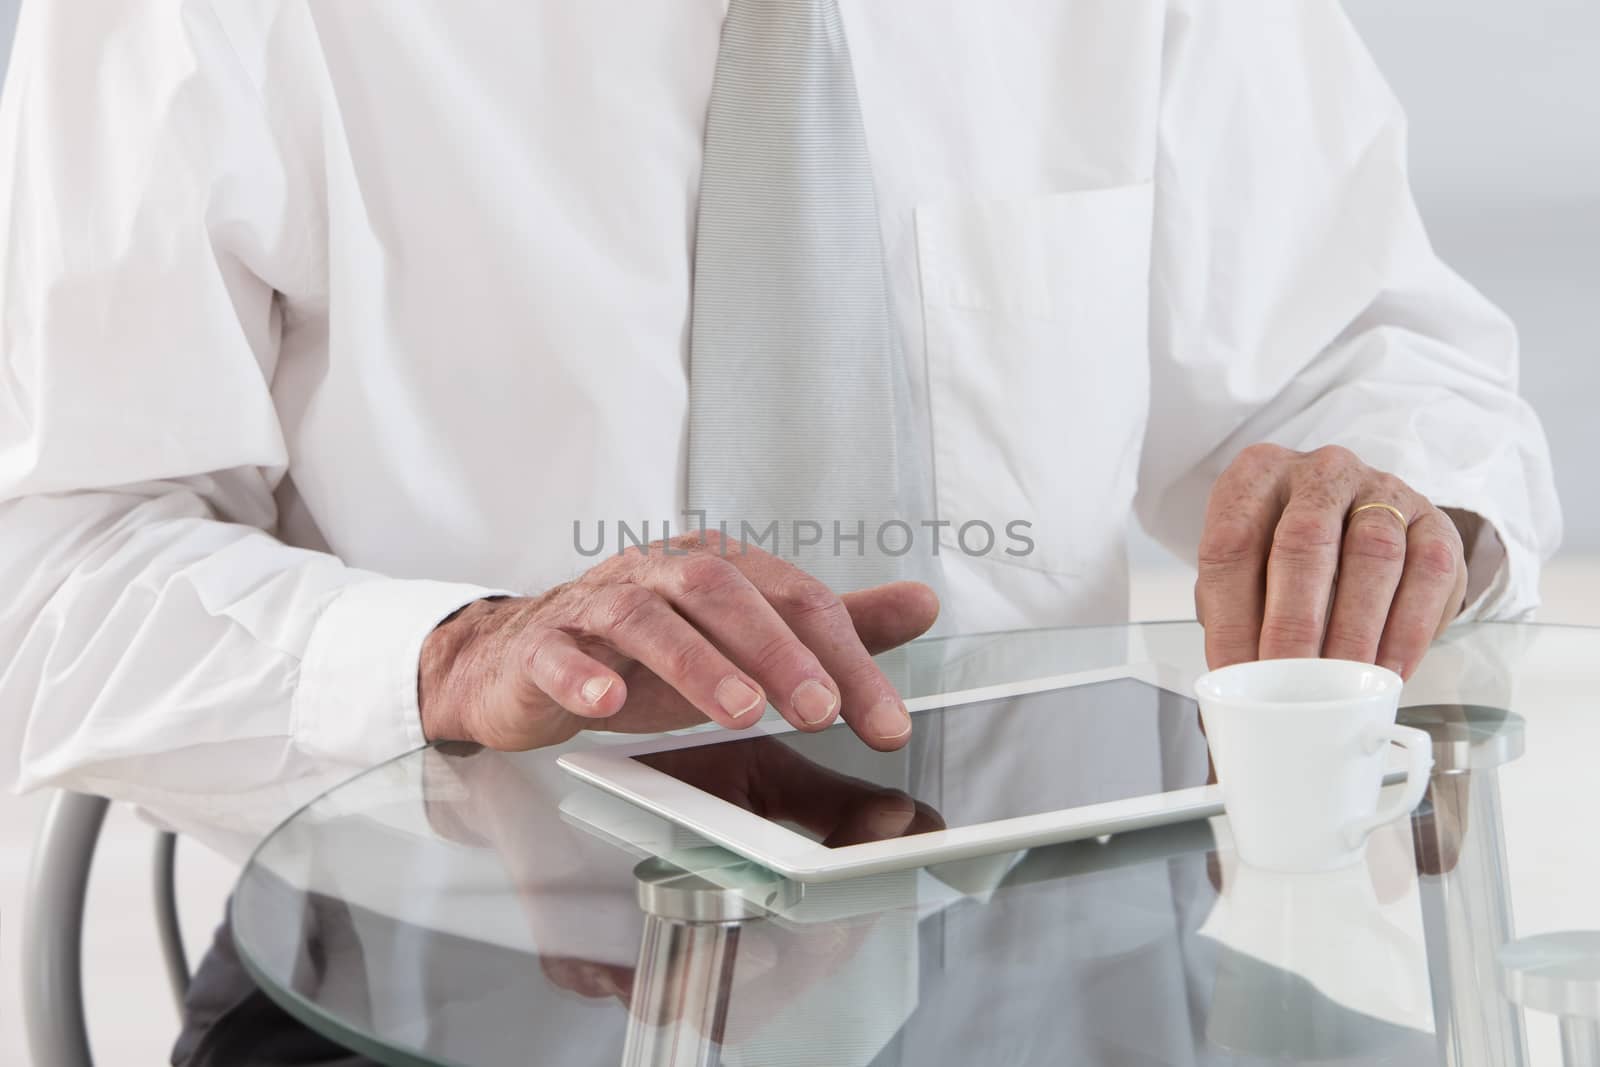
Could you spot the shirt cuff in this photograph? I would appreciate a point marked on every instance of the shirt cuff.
(356, 698)
(1486, 570)
(1502, 573)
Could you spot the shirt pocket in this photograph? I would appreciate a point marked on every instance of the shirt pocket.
(1036, 319)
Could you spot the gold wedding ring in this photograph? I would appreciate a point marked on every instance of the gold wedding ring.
(1390, 508)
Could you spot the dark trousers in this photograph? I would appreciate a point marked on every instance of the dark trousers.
(229, 1022)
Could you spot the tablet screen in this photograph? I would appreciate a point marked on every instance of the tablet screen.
(965, 764)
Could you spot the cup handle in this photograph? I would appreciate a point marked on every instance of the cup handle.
(1419, 748)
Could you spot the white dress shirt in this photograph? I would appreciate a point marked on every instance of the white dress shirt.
(321, 320)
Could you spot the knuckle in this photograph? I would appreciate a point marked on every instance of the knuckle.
(1304, 533)
(690, 659)
(1239, 637)
(623, 606)
(536, 676)
(631, 558)
(860, 674)
(1228, 542)
(778, 654)
(1351, 636)
(1292, 631)
(1435, 559)
(1331, 460)
(1262, 455)
(709, 540)
(704, 575)
(552, 673)
(1434, 519)
(541, 654)
(804, 596)
(1379, 540)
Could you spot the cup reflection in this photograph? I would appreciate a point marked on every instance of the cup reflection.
(1314, 968)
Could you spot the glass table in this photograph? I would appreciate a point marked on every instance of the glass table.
(465, 907)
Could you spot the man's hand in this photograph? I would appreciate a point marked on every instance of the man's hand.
(1279, 531)
(657, 639)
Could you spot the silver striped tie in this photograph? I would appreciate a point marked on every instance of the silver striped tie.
(794, 361)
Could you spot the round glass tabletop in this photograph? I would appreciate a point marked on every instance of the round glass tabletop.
(465, 907)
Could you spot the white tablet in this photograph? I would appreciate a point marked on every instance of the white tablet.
(928, 889)
(986, 771)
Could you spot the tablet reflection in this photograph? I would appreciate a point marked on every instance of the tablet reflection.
(768, 778)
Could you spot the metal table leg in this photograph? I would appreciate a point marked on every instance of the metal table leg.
(1559, 973)
(1580, 1042)
(687, 960)
(1467, 920)
(1466, 908)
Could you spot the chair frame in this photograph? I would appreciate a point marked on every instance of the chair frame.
(52, 934)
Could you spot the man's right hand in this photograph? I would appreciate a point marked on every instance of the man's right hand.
(654, 639)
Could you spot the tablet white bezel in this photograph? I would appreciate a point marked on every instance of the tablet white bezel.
(614, 770)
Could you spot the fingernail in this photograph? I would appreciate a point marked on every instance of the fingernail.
(814, 703)
(596, 688)
(1398, 668)
(888, 721)
(737, 697)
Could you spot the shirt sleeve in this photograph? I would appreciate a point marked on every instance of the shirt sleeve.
(157, 643)
(1296, 298)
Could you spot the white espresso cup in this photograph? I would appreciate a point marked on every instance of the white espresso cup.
(1299, 747)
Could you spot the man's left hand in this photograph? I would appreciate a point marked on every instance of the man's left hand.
(1293, 564)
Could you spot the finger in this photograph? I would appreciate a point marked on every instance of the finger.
(1372, 557)
(883, 817)
(589, 978)
(887, 815)
(1230, 585)
(786, 786)
(1431, 585)
(870, 703)
(566, 674)
(714, 595)
(765, 776)
(642, 626)
(1300, 571)
(888, 616)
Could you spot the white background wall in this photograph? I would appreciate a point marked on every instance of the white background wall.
(1505, 106)
(1504, 99)
(1504, 102)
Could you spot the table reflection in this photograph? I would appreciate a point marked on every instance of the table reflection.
(1155, 946)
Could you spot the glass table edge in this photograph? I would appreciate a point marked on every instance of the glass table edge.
(327, 1025)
